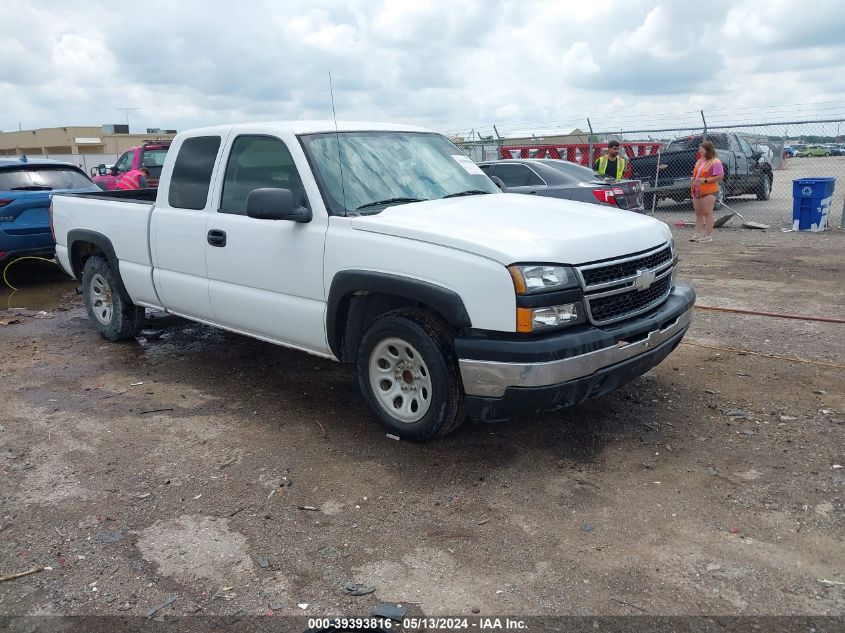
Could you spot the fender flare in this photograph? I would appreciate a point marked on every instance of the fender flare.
(348, 282)
(92, 237)
(102, 242)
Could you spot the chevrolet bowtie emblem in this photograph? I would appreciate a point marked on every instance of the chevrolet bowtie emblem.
(644, 279)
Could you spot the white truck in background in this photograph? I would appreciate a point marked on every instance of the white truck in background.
(384, 246)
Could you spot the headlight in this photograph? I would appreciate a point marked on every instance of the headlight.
(547, 318)
(534, 278)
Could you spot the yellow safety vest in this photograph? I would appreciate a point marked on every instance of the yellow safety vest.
(620, 166)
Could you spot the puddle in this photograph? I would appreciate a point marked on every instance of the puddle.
(40, 286)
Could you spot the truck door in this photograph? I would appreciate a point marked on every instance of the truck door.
(752, 167)
(123, 164)
(178, 236)
(266, 276)
(740, 170)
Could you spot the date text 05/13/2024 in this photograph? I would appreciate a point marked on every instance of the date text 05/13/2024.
(426, 623)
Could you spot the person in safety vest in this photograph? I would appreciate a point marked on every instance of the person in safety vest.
(134, 179)
(611, 164)
(704, 187)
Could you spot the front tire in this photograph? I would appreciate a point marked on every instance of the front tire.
(720, 196)
(409, 376)
(764, 189)
(109, 308)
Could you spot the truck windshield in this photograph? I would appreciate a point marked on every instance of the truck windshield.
(371, 170)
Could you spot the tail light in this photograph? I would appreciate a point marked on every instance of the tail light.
(4, 202)
(52, 230)
(605, 196)
(608, 196)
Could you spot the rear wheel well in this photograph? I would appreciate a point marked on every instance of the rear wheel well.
(80, 251)
(357, 310)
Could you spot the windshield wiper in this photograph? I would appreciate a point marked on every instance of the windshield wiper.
(378, 203)
(32, 188)
(468, 192)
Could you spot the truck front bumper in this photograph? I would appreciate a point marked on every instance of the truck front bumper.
(506, 376)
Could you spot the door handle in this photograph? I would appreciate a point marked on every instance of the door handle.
(216, 237)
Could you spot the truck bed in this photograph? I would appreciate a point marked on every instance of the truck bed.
(121, 195)
(120, 217)
(680, 165)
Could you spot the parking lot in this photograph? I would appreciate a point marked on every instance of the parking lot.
(244, 478)
(777, 211)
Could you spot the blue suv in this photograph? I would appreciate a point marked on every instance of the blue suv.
(25, 189)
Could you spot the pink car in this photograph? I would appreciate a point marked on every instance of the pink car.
(150, 155)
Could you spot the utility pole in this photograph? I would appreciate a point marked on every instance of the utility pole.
(590, 126)
(704, 136)
(126, 111)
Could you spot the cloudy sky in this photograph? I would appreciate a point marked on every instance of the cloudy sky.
(452, 65)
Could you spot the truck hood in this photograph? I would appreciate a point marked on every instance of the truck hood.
(511, 228)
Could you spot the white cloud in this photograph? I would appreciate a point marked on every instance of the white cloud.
(445, 64)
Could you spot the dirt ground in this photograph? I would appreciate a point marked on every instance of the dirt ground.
(239, 477)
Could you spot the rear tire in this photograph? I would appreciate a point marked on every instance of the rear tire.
(109, 308)
(409, 376)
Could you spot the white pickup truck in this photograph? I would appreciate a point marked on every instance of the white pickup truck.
(384, 246)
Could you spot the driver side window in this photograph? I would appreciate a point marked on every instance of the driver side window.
(124, 163)
(257, 162)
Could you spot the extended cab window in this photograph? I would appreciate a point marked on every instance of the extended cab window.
(192, 172)
(256, 162)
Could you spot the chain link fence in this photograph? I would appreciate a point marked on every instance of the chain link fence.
(761, 162)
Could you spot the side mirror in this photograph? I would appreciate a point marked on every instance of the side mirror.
(498, 182)
(756, 155)
(113, 171)
(101, 169)
(275, 204)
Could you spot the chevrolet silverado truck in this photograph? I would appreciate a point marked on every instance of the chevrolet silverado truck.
(150, 154)
(385, 247)
(667, 174)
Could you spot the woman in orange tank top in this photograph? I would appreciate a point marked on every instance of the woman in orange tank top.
(704, 186)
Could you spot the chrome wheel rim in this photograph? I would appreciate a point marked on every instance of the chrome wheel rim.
(767, 186)
(400, 380)
(100, 299)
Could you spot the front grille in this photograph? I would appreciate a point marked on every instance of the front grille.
(601, 274)
(616, 307)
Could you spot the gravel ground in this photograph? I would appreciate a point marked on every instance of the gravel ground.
(240, 477)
